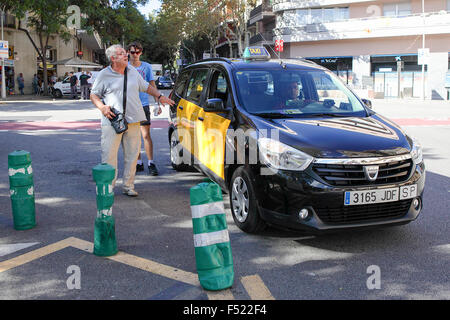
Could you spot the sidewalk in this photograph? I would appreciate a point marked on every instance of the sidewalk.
(62, 109)
(26, 97)
(412, 108)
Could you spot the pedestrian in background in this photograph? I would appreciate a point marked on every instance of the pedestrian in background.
(84, 84)
(90, 81)
(73, 85)
(107, 92)
(145, 70)
(21, 83)
(34, 83)
(53, 79)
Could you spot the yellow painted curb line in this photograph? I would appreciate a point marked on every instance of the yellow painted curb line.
(122, 257)
(256, 288)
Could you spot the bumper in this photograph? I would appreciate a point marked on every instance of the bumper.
(281, 196)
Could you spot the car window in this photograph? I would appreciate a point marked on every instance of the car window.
(181, 83)
(256, 88)
(295, 92)
(196, 85)
(219, 87)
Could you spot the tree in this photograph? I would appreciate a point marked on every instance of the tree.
(188, 23)
(46, 17)
(116, 21)
(236, 15)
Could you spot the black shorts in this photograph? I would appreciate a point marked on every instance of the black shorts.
(147, 115)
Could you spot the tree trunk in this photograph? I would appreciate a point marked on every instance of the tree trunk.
(44, 62)
(190, 51)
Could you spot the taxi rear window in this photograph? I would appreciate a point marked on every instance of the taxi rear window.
(196, 85)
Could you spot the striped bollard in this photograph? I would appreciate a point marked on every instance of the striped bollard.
(211, 240)
(105, 227)
(21, 189)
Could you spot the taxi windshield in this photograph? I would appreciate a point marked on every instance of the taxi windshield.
(296, 92)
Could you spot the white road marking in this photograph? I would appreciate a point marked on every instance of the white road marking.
(10, 248)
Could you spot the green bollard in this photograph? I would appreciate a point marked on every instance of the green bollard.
(21, 189)
(104, 230)
(211, 240)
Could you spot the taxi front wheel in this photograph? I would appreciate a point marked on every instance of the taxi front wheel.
(243, 202)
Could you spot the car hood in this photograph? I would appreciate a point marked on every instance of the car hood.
(346, 137)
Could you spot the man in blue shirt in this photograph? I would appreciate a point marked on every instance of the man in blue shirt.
(145, 69)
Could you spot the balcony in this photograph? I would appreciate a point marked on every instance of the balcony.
(91, 40)
(281, 5)
(261, 12)
(265, 38)
(373, 27)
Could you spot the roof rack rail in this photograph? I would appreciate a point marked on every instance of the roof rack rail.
(215, 59)
(302, 59)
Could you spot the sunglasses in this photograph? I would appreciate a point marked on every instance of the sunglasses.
(135, 52)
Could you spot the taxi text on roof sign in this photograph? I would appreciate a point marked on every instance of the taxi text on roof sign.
(256, 53)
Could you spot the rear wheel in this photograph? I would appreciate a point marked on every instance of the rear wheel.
(57, 93)
(176, 153)
(243, 202)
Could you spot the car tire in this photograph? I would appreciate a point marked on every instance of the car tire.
(243, 202)
(57, 93)
(176, 153)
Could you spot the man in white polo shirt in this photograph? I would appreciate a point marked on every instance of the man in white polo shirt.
(107, 92)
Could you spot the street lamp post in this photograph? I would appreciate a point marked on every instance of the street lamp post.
(423, 47)
(3, 63)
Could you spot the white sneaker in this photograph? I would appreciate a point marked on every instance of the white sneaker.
(130, 192)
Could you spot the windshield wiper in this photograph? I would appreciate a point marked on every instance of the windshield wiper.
(334, 115)
(273, 115)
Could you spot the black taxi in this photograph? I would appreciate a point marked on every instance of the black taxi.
(293, 145)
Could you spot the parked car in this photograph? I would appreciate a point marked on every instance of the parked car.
(293, 146)
(164, 83)
(62, 88)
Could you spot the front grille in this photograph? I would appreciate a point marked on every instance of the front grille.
(364, 213)
(353, 175)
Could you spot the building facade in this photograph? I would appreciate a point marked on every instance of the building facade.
(24, 59)
(261, 24)
(370, 43)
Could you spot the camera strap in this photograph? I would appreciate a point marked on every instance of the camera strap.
(124, 103)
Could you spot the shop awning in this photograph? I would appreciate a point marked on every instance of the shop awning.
(77, 63)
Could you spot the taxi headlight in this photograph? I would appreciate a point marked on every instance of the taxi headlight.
(277, 155)
(416, 152)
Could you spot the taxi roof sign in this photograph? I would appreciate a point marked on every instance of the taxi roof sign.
(256, 53)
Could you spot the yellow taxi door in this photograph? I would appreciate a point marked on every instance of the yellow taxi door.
(188, 109)
(211, 128)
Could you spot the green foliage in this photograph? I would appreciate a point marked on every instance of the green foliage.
(48, 17)
(115, 21)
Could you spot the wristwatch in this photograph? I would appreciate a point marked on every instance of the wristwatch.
(160, 96)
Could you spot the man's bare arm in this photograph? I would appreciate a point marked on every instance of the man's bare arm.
(104, 109)
(158, 96)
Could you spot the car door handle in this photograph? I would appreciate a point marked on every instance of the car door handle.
(181, 108)
(200, 118)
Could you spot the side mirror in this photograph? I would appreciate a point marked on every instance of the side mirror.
(368, 103)
(214, 105)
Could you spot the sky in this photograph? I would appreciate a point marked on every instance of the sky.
(149, 7)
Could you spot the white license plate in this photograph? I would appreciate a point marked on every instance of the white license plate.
(380, 195)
